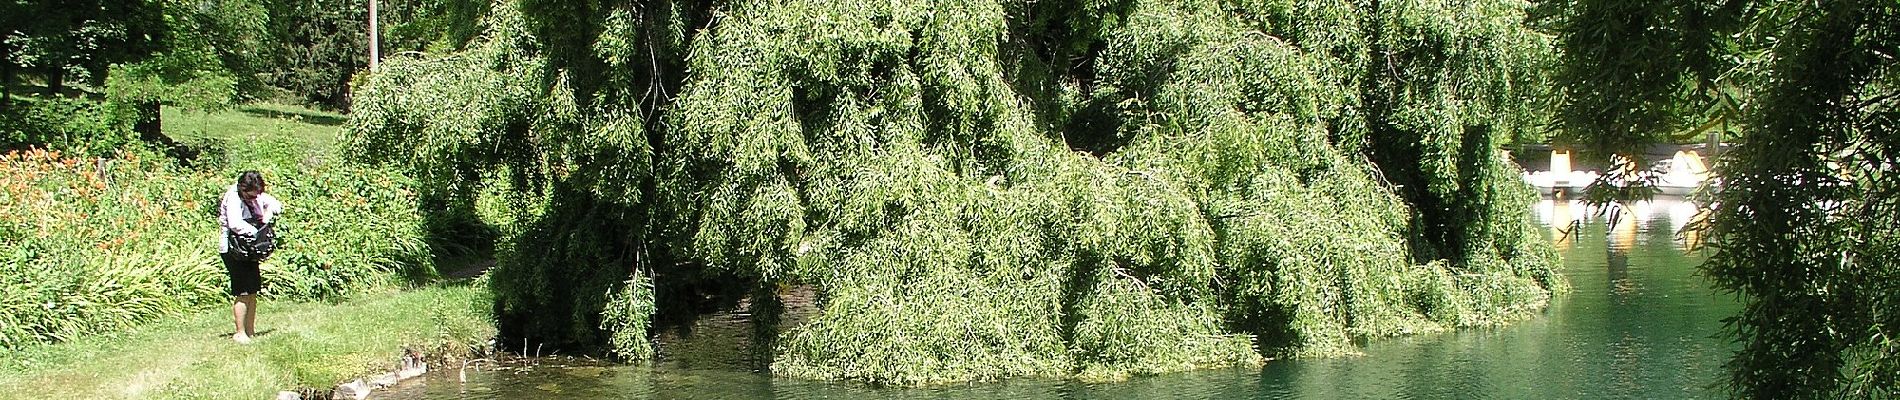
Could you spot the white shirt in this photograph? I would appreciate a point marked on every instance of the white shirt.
(232, 211)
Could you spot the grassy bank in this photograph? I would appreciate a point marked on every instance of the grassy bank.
(308, 344)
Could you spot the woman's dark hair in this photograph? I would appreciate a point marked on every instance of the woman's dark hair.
(250, 181)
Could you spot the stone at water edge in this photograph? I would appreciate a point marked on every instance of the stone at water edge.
(412, 366)
(357, 390)
(412, 372)
(384, 380)
(288, 395)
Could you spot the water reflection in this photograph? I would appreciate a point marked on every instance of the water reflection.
(1664, 214)
(1639, 323)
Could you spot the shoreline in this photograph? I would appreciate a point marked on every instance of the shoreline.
(301, 345)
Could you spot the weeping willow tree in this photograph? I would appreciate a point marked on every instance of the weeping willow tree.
(1804, 210)
(986, 189)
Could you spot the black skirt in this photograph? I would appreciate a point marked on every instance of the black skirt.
(245, 279)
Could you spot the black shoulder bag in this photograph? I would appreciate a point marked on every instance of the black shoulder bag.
(255, 247)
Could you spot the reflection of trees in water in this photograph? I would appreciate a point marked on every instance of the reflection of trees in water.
(1626, 309)
(1564, 218)
(1616, 257)
(1622, 236)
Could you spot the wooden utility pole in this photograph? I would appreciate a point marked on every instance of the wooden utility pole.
(375, 53)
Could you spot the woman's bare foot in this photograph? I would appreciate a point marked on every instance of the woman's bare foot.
(242, 338)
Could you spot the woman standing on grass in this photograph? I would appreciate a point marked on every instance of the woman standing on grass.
(243, 210)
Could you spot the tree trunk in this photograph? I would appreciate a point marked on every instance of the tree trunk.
(148, 126)
(55, 79)
(6, 78)
(375, 51)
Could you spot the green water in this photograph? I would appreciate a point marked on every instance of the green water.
(1639, 323)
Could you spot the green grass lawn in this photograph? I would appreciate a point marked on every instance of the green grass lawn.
(316, 130)
(300, 345)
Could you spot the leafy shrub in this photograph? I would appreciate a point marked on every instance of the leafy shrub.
(72, 126)
(89, 257)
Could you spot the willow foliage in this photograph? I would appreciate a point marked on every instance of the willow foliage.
(1803, 213)
(453, 119)
(1804, 225)
(987, 189)
(512, 113)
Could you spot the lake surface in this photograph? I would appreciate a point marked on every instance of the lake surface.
(1639, 322)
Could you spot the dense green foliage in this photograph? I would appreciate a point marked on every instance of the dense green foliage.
(140, 55)
(194, 52)
(1636, 70)
(99, 244)
(987, 189)
(1803, 220)
(1806, 227)
(75, 127)
(75, 42)
(489, 114)
(316, 47)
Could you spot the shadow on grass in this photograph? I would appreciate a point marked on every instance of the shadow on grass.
(301, 116)
(259, 334)
(461, 244)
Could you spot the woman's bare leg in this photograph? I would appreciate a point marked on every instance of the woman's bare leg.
(244, 316)
(250, 315)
